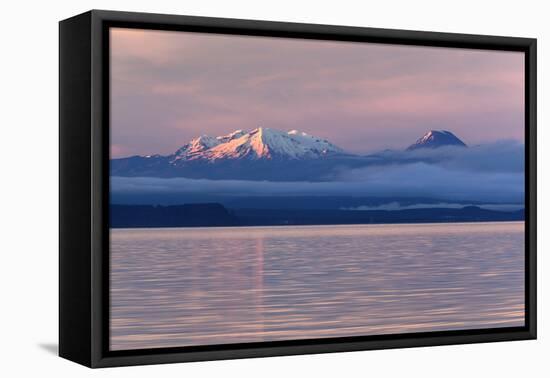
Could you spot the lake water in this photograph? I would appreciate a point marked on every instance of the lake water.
(197, 286)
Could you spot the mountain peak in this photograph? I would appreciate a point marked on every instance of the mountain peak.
(196, 146)
(435, 139)
(259, 143)
(234, 135)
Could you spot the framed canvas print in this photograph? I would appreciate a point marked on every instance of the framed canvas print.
(234, 188)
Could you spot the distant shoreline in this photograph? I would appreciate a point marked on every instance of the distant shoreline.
(216, 215)
(318, 225)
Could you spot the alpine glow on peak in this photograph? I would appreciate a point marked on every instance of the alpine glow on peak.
(260, 143)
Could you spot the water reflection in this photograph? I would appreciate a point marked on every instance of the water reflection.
(178, 287)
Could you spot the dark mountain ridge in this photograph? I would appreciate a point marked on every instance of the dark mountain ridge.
(216, 215)
(188, 215)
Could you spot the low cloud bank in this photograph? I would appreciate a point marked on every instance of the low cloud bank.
(406, 181)
(489, 173)
(501, 156)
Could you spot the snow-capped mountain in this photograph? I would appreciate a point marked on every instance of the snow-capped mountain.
(260, 143)
(435, 139)
(196, 147)
(269, 154)
(234, 135)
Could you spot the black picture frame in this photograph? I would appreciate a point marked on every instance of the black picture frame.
(84, 187)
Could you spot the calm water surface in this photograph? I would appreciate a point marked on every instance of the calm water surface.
(196, 286)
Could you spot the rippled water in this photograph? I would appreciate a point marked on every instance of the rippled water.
(197, 286)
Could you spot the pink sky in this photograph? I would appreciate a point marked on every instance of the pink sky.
(168, 87)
